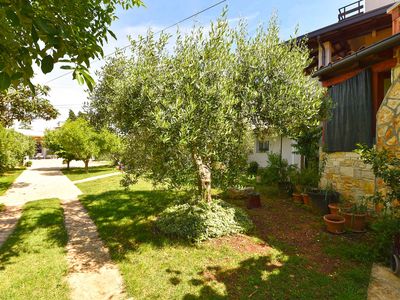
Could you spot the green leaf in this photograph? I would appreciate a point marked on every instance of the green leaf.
(5, 81)
(12, 16)
(47, 64)
(34, 34)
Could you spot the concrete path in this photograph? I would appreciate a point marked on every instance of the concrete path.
(96, 177)
(41, 181)
(384, 285)
(92, 275)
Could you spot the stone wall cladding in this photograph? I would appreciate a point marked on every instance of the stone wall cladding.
(388, 121)
(348, 175)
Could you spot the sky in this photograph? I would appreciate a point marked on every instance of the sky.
(307, 15)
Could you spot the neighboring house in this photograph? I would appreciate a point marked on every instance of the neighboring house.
(261, 149)
(358, 61)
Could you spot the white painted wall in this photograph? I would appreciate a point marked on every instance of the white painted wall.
(274, 146)
(374, 4)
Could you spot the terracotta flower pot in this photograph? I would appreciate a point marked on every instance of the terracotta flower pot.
(334, 208)
(306, 199)
(334, 223)
(355, 222)
(297, 198)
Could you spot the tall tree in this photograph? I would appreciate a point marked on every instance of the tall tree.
(71, 115)
(186, 114)
(46, 32)
(21, 104)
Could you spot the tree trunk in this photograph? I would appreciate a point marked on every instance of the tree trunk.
(86, 165)
(68, 161)
(302, 162)
(204, 176)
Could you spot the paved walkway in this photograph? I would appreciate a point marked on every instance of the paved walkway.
(384, 285)
(96, 177)
(92, 275)
(41, 181)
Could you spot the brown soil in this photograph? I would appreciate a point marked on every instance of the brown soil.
(280, 221)
(242, 243)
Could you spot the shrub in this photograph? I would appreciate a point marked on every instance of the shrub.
(28, 164)
(385, 229)
(277, 170)
(253, 168)
(202, 221)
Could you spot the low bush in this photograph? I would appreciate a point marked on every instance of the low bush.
(28, 164)
(385, 229)
(201, 221)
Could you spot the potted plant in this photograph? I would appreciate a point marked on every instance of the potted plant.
(334, 223)
(295, 179)
(356, 217)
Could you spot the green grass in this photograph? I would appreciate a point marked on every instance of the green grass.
(79, 173)
(32, 261)
(155, 267)
(8, 178)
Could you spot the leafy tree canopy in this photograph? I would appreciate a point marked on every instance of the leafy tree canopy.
(46, 32)
(186, 113)
(14, 146)
(77, 140)
(21, 104)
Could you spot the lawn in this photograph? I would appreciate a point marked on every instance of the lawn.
(289, 256)
(8, 178)
(32, 261)
(79, 173)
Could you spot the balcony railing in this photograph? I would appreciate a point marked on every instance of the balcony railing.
(351, 10)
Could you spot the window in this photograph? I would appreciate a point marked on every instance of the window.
(262, 146)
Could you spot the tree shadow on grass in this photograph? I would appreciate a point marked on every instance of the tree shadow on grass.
(125, 219)
(40, 226)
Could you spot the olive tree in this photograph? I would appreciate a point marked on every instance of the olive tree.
(186, 113)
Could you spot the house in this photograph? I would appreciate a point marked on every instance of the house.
(262, 147)
(357, 59)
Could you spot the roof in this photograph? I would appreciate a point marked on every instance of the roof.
(380, 46)
(348, 22)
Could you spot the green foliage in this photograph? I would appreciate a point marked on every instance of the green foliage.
(307, 143)
(202, 221)
(385, 166)
(78, 140)
(253, 168)
(187, 113)
(46, 32)
(21, 104)
(71, 115)
(277, 171)
(385, 229)
(14, 147)
(28, 164)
